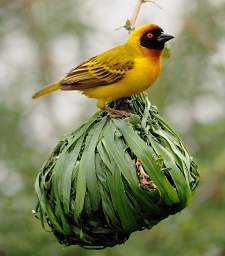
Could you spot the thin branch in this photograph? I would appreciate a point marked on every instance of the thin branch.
(130, 24)
(145, 181)
(136, 13)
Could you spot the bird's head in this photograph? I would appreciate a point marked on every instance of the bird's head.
(149, 36)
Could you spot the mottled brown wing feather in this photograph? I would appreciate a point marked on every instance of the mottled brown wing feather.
(101, 70)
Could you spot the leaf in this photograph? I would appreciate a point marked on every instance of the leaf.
(102, 173)
(117, 152)
(89, 191)
(80, 194)
(104, 155)
(53, 219)
(121, 203)
(144, 154)
(182, 159)
(87, 170)
(183, 189)
(166, 53)
(66, 177)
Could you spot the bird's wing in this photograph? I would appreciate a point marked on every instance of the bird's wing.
(104, 69)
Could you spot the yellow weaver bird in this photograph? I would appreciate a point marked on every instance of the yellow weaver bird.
(119, 72)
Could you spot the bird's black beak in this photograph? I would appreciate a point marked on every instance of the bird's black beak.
(164, 38)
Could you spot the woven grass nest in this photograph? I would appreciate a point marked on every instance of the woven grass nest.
(114, 176)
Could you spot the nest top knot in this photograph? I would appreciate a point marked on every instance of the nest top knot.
(114, 176)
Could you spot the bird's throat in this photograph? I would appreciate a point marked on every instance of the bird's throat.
(153, 54)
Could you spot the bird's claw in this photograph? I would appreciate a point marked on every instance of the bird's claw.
(118, 113)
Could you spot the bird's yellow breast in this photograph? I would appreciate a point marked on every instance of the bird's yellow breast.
(136, 80)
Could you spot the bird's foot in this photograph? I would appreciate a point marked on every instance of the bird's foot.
(144, 177)
(118, 113)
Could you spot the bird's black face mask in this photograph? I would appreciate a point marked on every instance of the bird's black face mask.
(155, 39)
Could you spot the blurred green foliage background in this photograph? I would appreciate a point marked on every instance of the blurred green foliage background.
(41, 40)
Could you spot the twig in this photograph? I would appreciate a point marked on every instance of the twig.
(136, 13)
(144, 177)
(130, 24)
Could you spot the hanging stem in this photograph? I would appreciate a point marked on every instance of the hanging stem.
(136, 13)
(130, 24)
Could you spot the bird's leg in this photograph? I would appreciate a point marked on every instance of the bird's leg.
(112, 108)
(117, 112)
(145, 92)
(144, 177)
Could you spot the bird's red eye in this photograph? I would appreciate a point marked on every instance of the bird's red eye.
(149, 35)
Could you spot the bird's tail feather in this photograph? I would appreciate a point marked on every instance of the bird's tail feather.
(48, 89)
